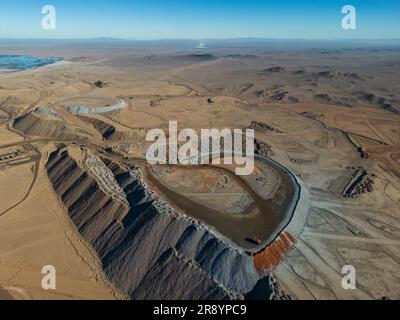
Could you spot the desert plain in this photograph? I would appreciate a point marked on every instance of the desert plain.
(77, 192)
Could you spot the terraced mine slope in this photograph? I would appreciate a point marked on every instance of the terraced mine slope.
(140, 241)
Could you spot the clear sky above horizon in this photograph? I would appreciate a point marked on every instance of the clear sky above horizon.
(206, 19)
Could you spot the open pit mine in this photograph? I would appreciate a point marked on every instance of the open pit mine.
(163, 232)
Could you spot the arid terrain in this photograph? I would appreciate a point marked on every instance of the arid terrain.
(77, 192)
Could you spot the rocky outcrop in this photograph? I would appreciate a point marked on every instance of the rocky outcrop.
(106, 130)
(46, 123)
(109, 132)
(276, 69)
(147, 250)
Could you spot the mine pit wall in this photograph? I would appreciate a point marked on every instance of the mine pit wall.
(295, 225)
(151, 253)
(270, 257)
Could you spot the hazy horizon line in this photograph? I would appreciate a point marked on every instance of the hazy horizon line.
(201, 39)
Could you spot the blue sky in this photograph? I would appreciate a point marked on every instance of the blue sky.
(206, 19)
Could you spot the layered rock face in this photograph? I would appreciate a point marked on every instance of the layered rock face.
(147, 250)
(46, 123)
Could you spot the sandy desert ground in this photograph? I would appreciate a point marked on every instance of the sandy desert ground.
(75, 193)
